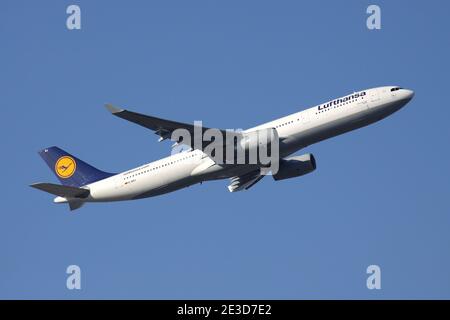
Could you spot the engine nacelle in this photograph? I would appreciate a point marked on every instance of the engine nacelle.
(295, 167)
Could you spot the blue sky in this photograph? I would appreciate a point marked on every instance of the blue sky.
(380, 195)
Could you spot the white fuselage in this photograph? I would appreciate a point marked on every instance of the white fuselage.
(295, 132)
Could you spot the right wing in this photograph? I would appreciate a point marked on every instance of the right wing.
(163, 128)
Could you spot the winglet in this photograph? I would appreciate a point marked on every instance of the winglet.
(113, 109)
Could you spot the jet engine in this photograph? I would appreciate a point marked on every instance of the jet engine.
(295, 167)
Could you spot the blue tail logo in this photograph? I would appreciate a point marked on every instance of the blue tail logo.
(70, 170)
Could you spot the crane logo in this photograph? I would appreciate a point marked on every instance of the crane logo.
(65, 167)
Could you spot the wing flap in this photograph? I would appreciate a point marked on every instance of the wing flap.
(246, 181)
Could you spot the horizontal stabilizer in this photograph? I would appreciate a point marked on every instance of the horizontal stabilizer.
(62, 191)
(75, 204)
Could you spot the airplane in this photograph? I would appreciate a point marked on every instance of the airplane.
(82, 183)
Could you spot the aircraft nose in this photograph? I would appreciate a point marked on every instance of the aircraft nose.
(409, 94)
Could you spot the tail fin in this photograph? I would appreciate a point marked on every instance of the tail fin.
(70, 170)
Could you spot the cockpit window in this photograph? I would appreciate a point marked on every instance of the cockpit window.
(395, 89)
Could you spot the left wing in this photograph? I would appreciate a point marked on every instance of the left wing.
(163, 128)
(245, 181)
